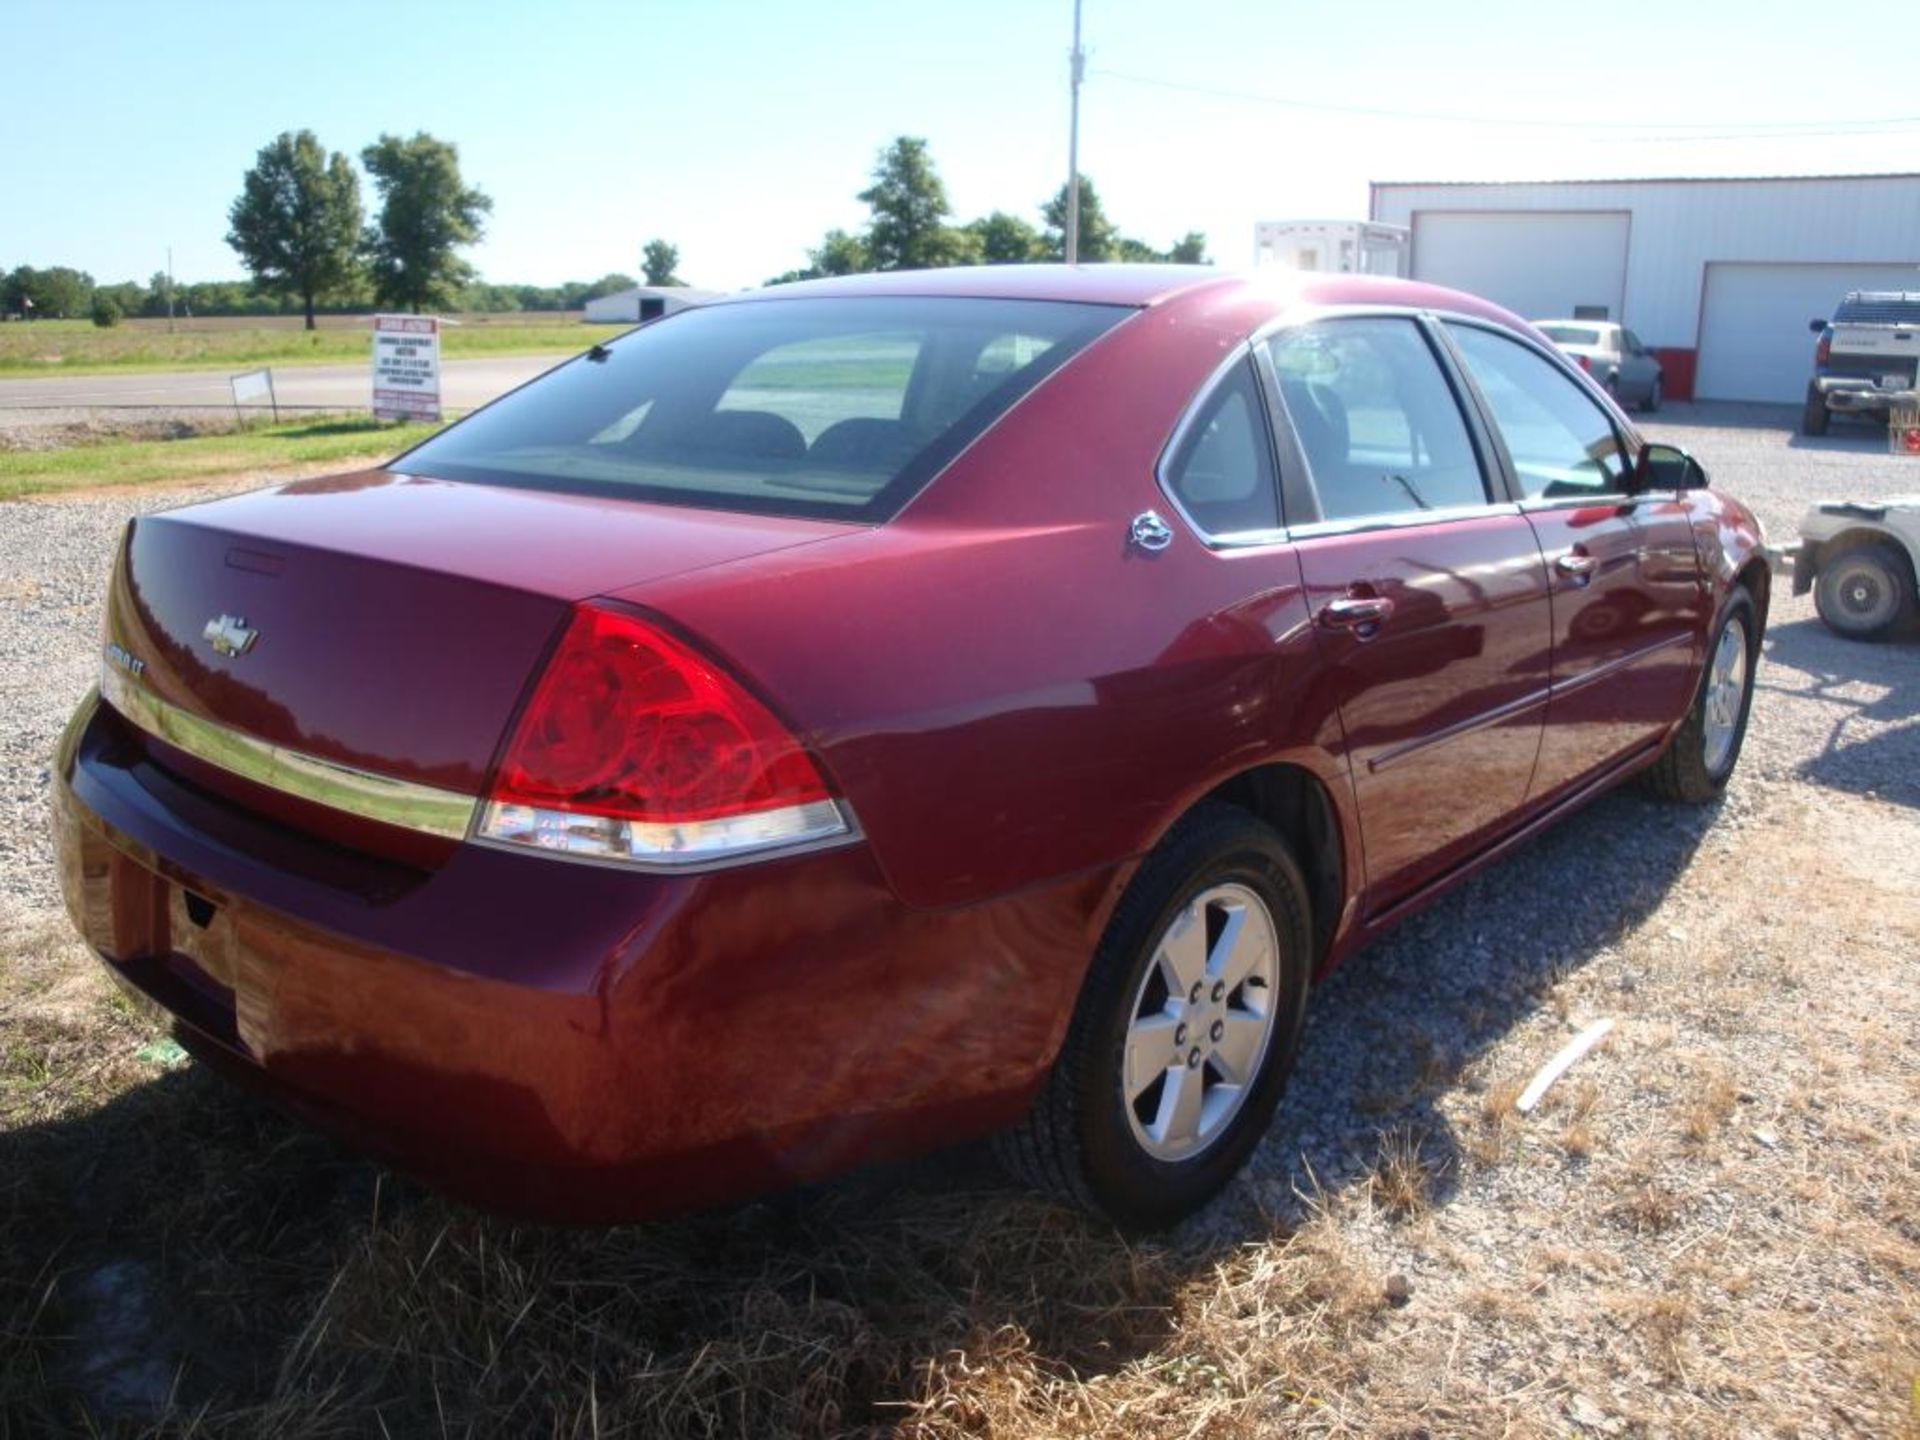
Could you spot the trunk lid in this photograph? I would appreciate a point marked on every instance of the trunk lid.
(395, 621)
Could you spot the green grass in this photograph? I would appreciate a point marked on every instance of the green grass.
(78, 347)
(146, 462)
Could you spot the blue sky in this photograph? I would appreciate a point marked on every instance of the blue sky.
(742, 129)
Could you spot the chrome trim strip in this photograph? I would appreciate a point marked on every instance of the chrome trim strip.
(1553, 690)
(402, 803)
(1517, 706)
(1621, 662)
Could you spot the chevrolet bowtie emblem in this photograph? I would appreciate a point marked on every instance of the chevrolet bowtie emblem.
(229, 635)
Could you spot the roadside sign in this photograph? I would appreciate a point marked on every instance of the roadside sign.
(406, 367)
(254, 385)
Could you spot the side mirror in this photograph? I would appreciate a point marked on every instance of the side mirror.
(1667, 467)
(1816, 326)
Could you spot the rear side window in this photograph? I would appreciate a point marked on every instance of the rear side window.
(1571, 334)
(1561, 442)
(1222, 473)
(1376, 418)
(831, 408)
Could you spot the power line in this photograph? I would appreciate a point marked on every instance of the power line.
(1631, 130)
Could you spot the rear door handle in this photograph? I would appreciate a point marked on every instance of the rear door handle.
(1364, 613)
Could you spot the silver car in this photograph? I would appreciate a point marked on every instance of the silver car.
(1613, 355)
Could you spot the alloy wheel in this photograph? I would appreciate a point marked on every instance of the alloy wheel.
(1203, 1019)
(1726, 694)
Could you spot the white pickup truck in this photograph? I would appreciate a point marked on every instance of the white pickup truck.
(1865, 359)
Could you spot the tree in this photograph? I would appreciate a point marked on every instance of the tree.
(659, 260)
(427, 212)
(909, 204)
(1190, 249)
(837, 254)
(1006, 239)
(1098, 238)
(296, 223)
(611, 284)
(55, 294)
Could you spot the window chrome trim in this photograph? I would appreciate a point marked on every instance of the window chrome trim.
(1621, 499)
(1402, 520)
(426, 809)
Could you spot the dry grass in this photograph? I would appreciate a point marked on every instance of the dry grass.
(78, 347)
(1404, 1173)
(1711, 1103)
(161, 1235)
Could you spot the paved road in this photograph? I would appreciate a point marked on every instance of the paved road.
(464, 384)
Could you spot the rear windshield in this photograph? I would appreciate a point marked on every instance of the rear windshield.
(1891, 308)
(1570, 334)
(837, 409)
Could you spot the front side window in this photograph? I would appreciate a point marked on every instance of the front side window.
(1379, 424)
(829, 408)
(1222, 474)
(1560, 440)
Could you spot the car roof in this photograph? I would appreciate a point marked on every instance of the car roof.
(1132, 285)
(1583, 324)
(1137, 285)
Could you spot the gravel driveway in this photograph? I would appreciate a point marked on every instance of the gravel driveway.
(1712, 1226)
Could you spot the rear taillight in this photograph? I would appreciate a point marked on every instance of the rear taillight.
(635, 747)
(1823, 352)
(1584, 362)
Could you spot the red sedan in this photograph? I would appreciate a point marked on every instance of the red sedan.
(862, 714)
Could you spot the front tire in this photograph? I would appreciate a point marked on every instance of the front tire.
(1185, 1031)
(1655, 396)
(1699, 759)
(1864, 591)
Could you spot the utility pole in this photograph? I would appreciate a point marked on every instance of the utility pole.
(1076, 71)
(169, 289)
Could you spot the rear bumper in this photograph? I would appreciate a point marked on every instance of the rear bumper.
(564, 1039)
(1857, 393)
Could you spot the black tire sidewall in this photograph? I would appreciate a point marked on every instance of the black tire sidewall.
(1813, 418)
(1134, 1188)
(1834, 614)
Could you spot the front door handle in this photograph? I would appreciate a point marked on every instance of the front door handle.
(1362, 613)
(1580, 567)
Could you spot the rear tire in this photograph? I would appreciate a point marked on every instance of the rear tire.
(1699, 759)
(1813, 419)
(1864, 591)
(1104, 1131)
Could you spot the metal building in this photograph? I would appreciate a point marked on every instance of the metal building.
(644, 302)
(1719, 276)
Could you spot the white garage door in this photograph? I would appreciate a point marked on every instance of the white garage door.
(1543, 265)
(1754, 342)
